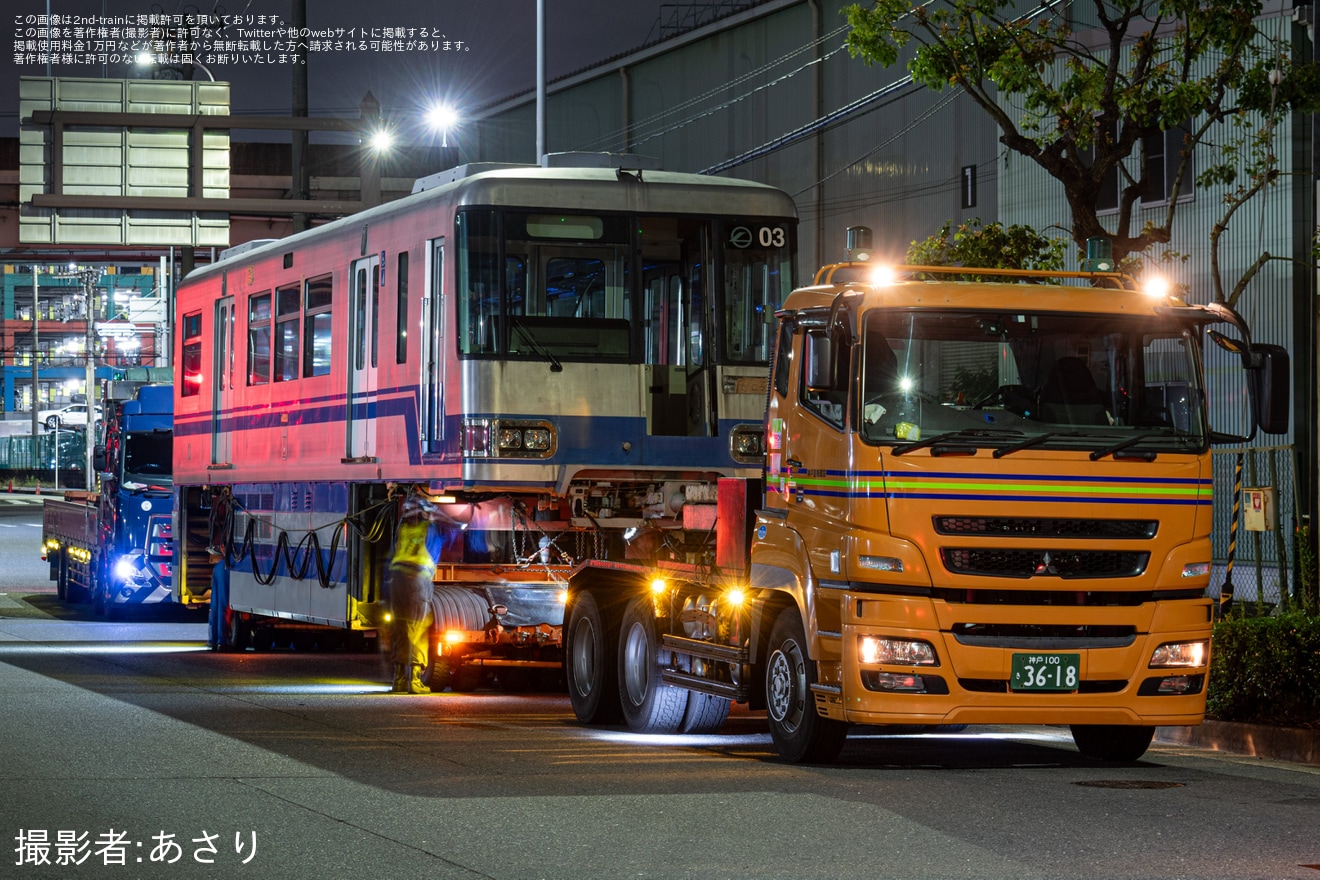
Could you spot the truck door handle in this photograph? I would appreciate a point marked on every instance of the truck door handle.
(794, 463)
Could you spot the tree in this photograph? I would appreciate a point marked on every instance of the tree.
(994, 247)
(1079, 101)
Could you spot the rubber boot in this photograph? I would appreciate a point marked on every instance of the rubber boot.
(415, 685)
(400, 679)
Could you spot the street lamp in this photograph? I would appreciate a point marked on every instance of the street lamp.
(442, 117)
(146, 59)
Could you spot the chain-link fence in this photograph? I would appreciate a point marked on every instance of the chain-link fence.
(1259, 565)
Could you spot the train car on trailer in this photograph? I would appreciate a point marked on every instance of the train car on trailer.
(565, 358)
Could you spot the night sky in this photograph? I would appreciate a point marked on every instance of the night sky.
(497, 58)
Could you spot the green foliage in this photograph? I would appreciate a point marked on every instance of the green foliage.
(1080, 104)
(1266, 669)
(1308, 582)
(992, 247)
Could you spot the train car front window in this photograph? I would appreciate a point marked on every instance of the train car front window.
(758, 274)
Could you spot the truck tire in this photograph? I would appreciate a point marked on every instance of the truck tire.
(649, 705)
(705, 714)
(69, 590)
(590, 661)
(1112, 742)
(59, 565)
(800, 734)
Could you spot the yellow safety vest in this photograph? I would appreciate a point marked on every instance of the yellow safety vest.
(410, 546)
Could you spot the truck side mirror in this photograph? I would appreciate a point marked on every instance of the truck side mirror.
(1270, 386)
(819, 362)
(98, 457)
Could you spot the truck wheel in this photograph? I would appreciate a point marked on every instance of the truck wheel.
(705, 714)
(800, 734)
(590, 663)
(649, 705)
(1112, 742)
(60, 567)
(70, 591)
(439, 670)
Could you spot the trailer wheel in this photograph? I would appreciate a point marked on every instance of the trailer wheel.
(1112, 742)
(801, 735)
(649, 705)
(705, 714)
(590, 662)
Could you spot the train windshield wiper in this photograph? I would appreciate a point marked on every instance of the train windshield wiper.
(536, 347)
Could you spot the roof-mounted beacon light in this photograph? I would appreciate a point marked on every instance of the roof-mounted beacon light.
(1099, 255)
(859, 243)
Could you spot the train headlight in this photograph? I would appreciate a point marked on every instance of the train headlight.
(747, 443)
(537, 439)
(508, 438)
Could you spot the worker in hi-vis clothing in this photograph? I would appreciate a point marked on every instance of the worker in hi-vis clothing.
(417, 549)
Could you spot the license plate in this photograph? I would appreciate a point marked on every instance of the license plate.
(1045, 672)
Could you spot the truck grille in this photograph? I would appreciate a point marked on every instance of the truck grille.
(1044, 637)
(1008, 526)
(1026, 563)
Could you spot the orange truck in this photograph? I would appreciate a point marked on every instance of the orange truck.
(986, 501)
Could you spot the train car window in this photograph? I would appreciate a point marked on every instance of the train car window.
(375, 311)
(401, 318)
(758, 275)
(479, 273)
(192, 354)
(286, 332)
(316, 327)
(259, 339)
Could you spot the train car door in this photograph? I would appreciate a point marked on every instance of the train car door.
(222, 371)
(701, 418)
(433, 353)
(363, 323)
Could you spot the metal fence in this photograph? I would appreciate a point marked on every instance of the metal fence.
(1262, 562)
(68, 449)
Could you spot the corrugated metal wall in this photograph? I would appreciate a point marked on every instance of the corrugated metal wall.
(772, 95)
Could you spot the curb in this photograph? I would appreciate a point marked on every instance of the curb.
(1296, 744)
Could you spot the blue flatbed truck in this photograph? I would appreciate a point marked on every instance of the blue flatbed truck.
(115, 546)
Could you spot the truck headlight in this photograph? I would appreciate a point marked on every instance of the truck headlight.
(898, 652)
(1177, 654)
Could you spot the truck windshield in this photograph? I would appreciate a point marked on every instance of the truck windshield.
(148, 454)
(1091, 380)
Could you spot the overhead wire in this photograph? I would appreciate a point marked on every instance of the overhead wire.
(618, 135)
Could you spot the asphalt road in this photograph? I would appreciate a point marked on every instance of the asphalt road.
(131, 741)
(129, 728)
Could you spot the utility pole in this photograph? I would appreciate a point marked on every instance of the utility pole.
(35, 385)
(89, 277)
